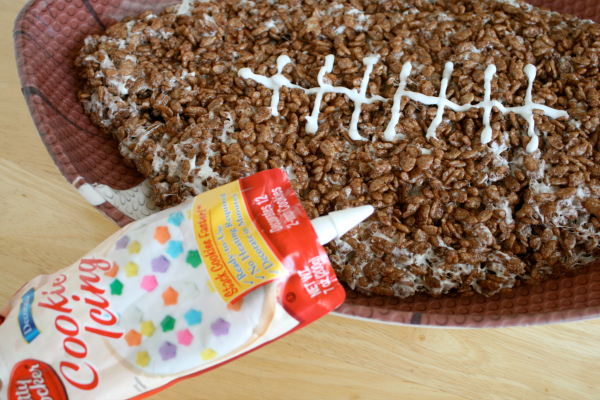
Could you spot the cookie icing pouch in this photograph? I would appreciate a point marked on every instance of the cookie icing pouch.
(170, 296)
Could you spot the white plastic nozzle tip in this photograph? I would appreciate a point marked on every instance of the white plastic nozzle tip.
(337, 223)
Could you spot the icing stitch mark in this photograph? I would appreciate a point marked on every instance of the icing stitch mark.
(277, 81)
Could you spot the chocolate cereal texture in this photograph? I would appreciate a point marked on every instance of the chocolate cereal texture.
(453, 214)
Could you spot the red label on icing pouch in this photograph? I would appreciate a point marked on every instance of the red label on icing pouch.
(35, 380)
(311, 289)
(171, 296)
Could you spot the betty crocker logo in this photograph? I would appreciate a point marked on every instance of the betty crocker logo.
(74, 368)
(35, 380)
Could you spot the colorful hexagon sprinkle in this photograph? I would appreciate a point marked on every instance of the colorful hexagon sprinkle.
(131, 269)
(160, 264)
(147, 328)
(175, 248)
(170, 296)
(184, 337)
(113, 271)
(168, 323)
(211, 287)
(193, 317)
(167, 351)
(235, 306)
(193, 258)
(133, 338)
(176, 218)
(220, 327)
(142, 358)
(122, 243)
(116, 287)
(134, 247)
(149, 283)
(162, 235)
(208, 354)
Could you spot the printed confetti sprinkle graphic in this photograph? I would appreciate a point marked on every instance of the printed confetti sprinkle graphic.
(147, 328)
(168, 323)
(176, 218)
(165, 323)
(162, 235)
(134, 247)
(235, 306)
(133, 338)
(160, 264)
(189, 214)
(193, 258)
(184, 337)
(149, 283)
(131, 269)
(170, 296)
(208, 354)
(175, 248)
(220, 327)
(116, 287)
(193, 317)
(122, 243)
(113, 271)
(142, 359)
(167, 351)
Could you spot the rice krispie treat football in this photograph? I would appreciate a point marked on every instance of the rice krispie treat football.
(471, 126)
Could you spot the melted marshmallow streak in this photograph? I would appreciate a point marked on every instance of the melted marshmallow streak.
(277, 81)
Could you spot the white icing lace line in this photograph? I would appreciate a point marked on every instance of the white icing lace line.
(359, 98)
(390, 131)
(274, 83)
(448, 68)
(526, 110)
(277, 81)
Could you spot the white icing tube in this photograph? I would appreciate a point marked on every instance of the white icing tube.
(173, 295)
(277, 81)
(337, 223)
